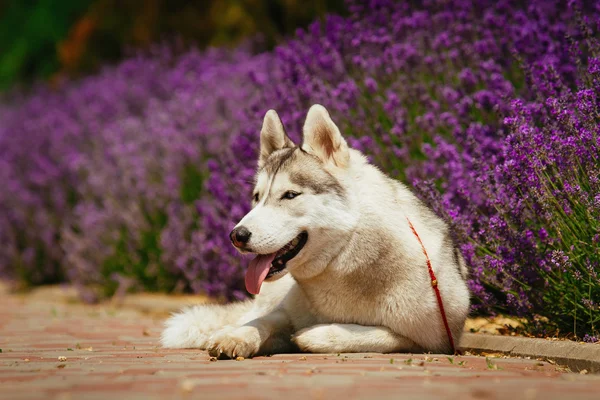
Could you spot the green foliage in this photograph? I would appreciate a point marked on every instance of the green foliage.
(29, 32)
(138, 257)
(46, 38)
(192, 183)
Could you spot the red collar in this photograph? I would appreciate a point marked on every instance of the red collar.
(434, 284)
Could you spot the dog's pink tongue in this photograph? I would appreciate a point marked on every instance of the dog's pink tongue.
(257, 272)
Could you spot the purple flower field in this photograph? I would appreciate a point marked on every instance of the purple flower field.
(132, 179)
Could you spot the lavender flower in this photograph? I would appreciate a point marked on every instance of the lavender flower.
(590, 339)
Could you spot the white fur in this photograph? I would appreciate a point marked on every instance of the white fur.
(193, 326)
(360, 284)
(332, 338)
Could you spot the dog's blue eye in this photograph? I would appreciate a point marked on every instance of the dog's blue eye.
(289, 195)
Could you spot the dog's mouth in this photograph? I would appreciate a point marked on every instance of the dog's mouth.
(267, 266)
(286, 253)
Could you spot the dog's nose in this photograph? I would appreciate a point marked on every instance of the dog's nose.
(240, 236)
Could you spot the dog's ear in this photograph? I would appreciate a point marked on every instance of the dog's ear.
(323, 139)
(272, 137)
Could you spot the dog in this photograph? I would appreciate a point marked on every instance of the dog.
(338, 267)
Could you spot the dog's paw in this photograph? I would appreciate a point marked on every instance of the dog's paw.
(235, 342)
(319, 339)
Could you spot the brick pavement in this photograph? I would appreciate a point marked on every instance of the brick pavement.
(112, 353)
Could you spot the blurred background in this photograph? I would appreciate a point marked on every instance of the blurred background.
(48, 39)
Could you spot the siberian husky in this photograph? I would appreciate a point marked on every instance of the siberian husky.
(338, 265)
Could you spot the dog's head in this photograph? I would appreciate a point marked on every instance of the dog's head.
(301, 205)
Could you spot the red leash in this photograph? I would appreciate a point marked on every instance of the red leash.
(434, 284)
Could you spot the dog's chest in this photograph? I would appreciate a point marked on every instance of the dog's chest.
(339, 306)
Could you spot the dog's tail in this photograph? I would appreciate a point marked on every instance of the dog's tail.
(193, 326)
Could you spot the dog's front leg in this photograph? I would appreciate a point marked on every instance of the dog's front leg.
(255, 337)
(351, 338)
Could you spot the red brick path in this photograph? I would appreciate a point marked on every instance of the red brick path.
(113, 354)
